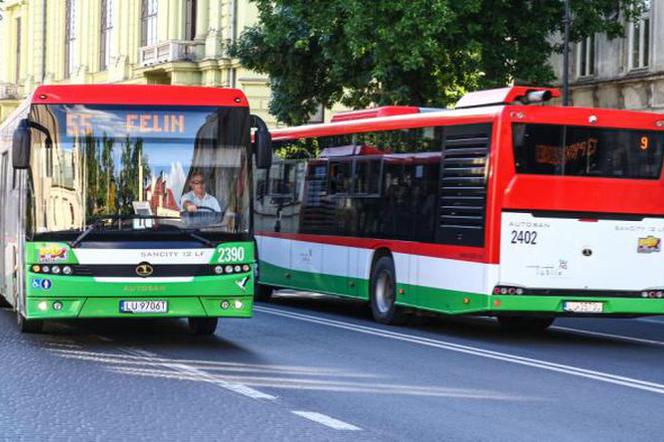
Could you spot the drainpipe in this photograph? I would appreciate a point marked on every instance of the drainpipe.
(566, 21)
(44, 25)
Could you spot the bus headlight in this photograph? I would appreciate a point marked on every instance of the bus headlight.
(238, 304)
(218, 270)
(66, 270)
(55, 270)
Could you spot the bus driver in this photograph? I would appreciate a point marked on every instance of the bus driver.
(198, 197)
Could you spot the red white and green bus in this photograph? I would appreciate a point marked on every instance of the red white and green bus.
(498, 207)
(128, 201)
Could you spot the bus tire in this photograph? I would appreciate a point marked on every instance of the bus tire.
(383, 293)
(202, 326)
(263, 292)
(29, 325)
(3, 302)
(531, 324)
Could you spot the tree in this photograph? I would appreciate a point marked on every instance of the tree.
(418, 52)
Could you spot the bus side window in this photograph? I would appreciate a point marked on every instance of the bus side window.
(340, 177)
(366, 177)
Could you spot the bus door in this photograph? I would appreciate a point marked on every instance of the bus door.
(335, 263)
(4, 165)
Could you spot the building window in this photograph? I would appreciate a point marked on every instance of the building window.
(148, 22)
(190, 20)
(585, 57)
(70, 37)
(639, 40)
(106, 34)
(18, 50)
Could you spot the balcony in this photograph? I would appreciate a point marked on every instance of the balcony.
(171, 51)
(8, 91)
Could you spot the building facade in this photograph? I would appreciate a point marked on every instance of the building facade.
(181, 42)
(624, 73)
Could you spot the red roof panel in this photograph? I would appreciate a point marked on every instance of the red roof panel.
(139, 95)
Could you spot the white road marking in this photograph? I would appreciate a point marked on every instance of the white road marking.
(608, 335)
(326, 420)
(655, 320)
(189, 370)
(476, 351)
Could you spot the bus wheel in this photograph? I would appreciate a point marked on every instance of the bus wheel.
(3, 302)
(384, 293)
(525, 323)
(29, 325)
(263, 292)
(202, 326)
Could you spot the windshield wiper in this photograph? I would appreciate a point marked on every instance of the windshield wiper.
(199, 238)
(95, 225)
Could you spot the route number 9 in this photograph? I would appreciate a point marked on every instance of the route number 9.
(231, 254)
(645, 143)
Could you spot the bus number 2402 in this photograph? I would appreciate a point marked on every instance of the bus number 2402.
(231, 254)
(524, 237)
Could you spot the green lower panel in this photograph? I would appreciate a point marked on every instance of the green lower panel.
(178, 307)
(315, 282)
(449, 301)
(73, 286)
(554, 304)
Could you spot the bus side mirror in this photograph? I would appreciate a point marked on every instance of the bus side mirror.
(263, 149)
(262, 143)
(21, 145)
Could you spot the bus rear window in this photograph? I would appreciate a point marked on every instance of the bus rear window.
(545, 149)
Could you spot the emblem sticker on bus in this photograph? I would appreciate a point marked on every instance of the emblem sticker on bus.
(41, 284)
(649, 244)
(52, 253)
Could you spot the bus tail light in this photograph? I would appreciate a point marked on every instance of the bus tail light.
(507, 290)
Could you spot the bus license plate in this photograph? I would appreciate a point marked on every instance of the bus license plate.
(144, 306)
(583, 307)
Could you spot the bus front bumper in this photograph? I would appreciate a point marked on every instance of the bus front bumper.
(575, 305)
(109, 307)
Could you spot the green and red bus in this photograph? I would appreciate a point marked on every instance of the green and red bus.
(129, 201)
(502, 207)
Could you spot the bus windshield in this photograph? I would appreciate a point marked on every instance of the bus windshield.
(184, 166)
(546, 149)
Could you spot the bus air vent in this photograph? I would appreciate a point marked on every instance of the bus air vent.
(462, 205)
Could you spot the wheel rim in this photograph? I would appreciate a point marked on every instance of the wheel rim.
(384, 292)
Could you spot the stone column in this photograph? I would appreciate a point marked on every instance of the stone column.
(202, 19)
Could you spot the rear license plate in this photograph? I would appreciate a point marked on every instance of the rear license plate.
(583, 307)
(144, 306)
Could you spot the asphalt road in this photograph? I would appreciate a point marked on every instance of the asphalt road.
(317, 368)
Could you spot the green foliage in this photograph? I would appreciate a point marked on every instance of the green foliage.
(418, 52)
(109, 193)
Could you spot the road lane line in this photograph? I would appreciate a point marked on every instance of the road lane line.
(326, 420)
(608, 335)
(476, 351)
(188, 370)
(658, 320)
